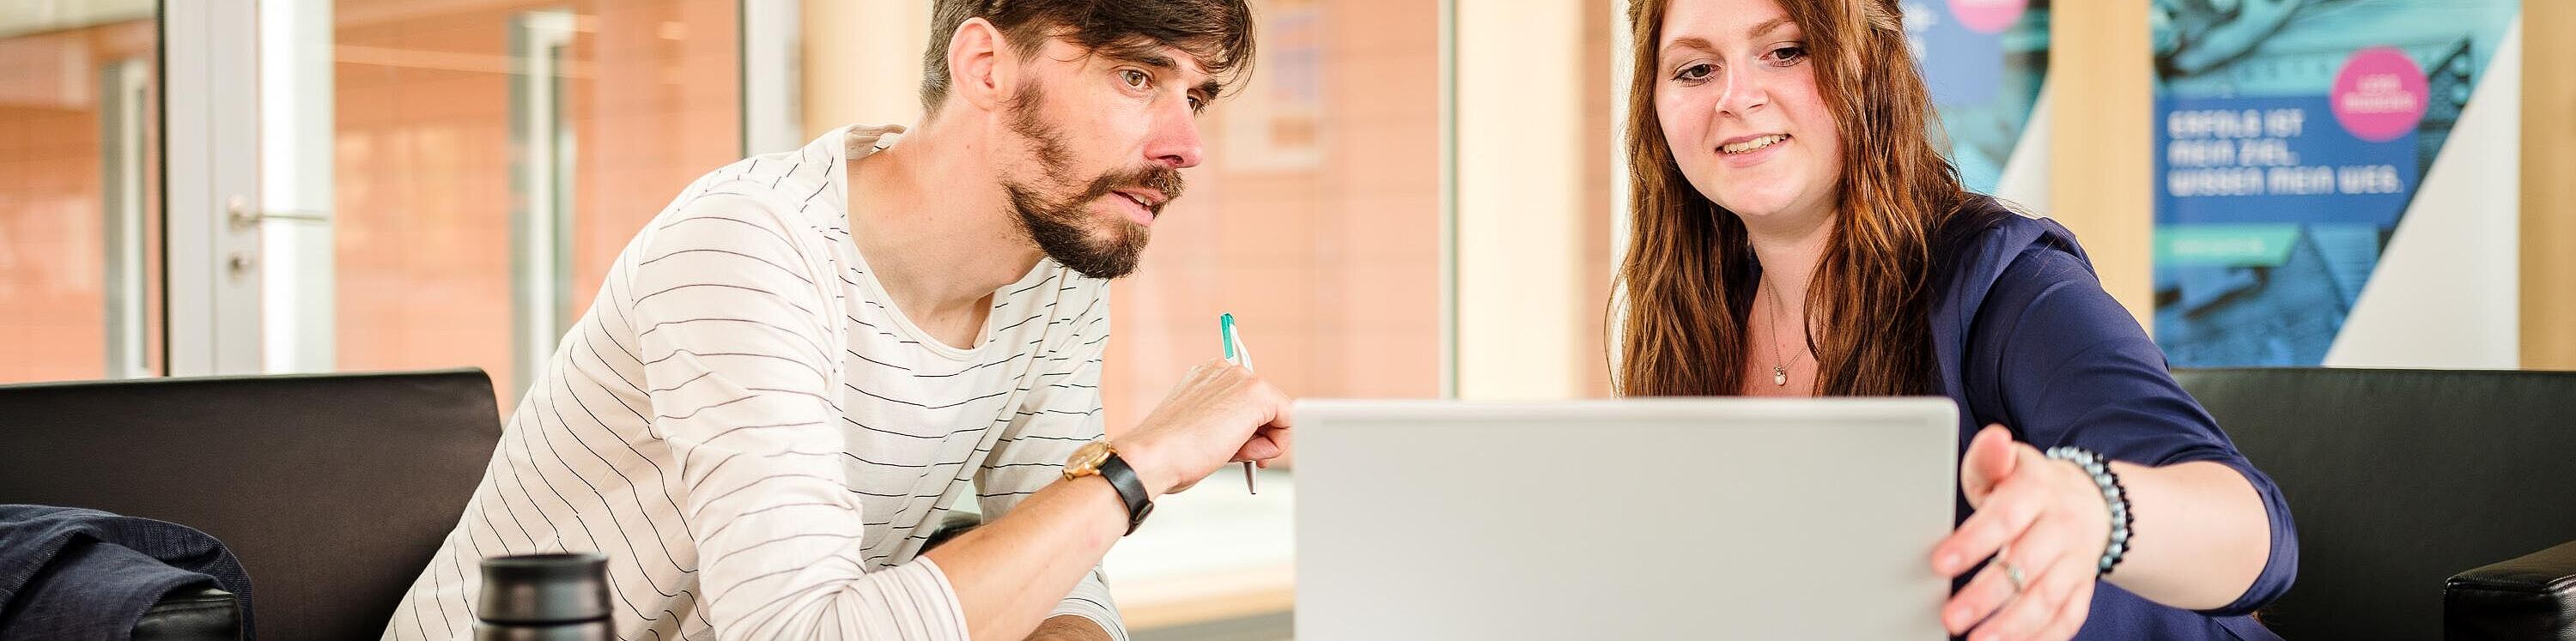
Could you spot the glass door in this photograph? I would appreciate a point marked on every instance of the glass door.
(476, 166)
(80, 228)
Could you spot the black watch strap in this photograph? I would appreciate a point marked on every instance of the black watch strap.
(1130, 490)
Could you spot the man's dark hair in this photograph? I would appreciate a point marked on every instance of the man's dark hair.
(1216, 32)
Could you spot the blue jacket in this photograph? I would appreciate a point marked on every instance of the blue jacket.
(2025, 336)
(70, 573)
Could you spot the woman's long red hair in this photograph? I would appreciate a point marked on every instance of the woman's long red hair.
(1688, 277)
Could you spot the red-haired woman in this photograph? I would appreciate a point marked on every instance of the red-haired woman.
(1797, 233)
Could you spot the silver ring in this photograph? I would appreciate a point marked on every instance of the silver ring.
(2013, 573)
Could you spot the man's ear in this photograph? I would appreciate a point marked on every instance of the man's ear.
(981, 67)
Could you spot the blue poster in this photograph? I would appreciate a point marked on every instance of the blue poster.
(1983, 61)
(2291, 137)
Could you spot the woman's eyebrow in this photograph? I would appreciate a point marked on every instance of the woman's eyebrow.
(1761, 29)
(1688, 42)
(1769, 26)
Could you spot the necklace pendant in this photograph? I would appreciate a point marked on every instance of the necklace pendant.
(1779, 376)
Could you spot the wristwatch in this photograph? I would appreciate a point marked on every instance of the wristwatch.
(1098, 458)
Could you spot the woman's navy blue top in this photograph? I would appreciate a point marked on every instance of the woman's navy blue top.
(2026, 337)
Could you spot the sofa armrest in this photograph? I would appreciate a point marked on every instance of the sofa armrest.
(192, 614)
(949, 528)
(2531, 597)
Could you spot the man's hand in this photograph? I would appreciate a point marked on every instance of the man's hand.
(1219, 413)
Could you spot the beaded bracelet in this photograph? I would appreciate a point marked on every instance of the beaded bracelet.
(2113, 494)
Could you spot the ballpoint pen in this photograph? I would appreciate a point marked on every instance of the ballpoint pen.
(1236, 353)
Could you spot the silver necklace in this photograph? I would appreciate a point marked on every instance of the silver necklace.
(1779, 365)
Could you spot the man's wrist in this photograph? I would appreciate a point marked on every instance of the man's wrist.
(1131, 491)
(1102, 459)
(1098, 492)
(1143, 458)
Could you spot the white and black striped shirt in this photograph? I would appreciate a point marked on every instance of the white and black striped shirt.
(760, 442)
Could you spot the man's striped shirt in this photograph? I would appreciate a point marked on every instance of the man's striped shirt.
(760, 442)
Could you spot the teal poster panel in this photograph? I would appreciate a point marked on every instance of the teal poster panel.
(1984, 61)
(2291, 137)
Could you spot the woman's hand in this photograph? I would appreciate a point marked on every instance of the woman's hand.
(2045, 524)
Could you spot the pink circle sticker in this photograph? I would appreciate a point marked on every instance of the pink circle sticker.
(2379, 96)
(1988, 16)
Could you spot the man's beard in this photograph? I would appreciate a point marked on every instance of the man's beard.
(1064, 227)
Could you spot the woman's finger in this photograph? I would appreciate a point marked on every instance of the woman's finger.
(1989, 460)
(2033, 608)
(1990, 590)
(2007, 513)
(2037, 548)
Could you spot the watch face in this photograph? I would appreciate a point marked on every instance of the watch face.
(1087, 459)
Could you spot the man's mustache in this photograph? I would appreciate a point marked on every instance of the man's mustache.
(1164, 180)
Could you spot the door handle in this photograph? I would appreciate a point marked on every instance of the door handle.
(238, 210)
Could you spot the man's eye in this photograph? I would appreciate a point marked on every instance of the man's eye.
(1134, 78)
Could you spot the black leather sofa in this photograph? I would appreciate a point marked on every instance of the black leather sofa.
(2401, 479)
(333, 490)
(2428, 502)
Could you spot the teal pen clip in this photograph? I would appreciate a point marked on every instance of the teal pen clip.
(1225, 330)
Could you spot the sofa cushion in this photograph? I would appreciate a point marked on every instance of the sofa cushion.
(333, 490)
(2398, 479)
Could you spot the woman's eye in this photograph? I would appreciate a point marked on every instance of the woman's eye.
(1134, 78)
(1695, 72)
(1789, 55)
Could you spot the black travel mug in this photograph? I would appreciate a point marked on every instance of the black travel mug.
(544, 597)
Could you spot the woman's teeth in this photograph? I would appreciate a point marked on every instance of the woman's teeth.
(1750, 145)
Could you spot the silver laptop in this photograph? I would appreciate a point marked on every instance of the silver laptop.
(1630, 519)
